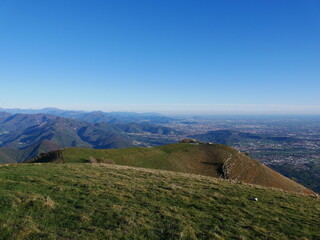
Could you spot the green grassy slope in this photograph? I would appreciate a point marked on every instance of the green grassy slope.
(213, 160)
(99, 201)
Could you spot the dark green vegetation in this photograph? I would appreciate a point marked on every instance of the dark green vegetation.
(307, 174)
(288, 144)
(229, 137)
(10, 155)
(98, 201)
(213, 160)
(32, 134)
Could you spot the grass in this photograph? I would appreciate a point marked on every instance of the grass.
(175, 157)
(100, 201)
(202, 159)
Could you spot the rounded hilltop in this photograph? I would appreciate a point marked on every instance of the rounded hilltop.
(190, 140)
(187, 156)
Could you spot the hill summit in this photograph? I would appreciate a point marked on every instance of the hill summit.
(188, 156)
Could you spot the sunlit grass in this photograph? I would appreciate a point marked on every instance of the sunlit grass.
(97, 201)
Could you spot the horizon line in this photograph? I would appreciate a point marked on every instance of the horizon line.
(202, 109)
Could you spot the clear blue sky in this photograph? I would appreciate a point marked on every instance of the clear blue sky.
(166, 55)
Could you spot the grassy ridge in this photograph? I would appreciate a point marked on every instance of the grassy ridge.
(96, 201)
(174, 157)
(213, 160)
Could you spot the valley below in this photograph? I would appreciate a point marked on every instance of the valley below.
(75, 175)
(288, 144)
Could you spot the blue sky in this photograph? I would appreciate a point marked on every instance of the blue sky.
(166, 56)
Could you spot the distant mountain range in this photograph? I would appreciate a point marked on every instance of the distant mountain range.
(23, 136)
(97, 116)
